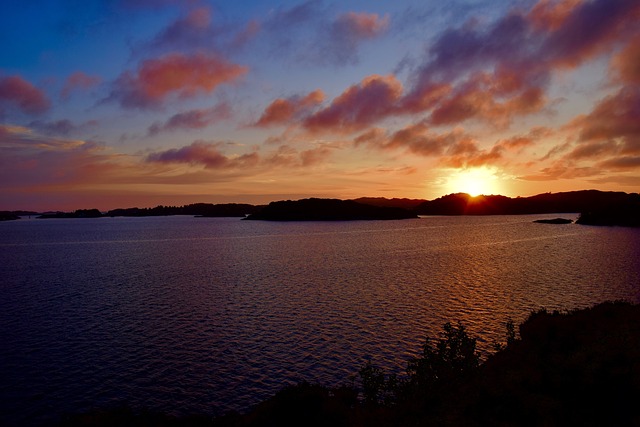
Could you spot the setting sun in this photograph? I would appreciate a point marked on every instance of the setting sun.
(474, 182)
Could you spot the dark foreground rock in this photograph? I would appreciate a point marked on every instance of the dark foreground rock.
(327, 210)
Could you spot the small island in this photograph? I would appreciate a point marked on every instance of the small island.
(554, 221)
(314, 209)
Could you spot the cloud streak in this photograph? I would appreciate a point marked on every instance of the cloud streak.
(78, 81)
(192, 119)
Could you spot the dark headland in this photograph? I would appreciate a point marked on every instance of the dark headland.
(328, 210)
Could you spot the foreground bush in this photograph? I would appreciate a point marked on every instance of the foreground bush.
(577, 368)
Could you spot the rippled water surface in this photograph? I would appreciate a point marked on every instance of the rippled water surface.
(205, 315)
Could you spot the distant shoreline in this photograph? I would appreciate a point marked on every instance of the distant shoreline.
(596, 208)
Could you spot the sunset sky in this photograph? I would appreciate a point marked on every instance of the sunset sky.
(107, 104)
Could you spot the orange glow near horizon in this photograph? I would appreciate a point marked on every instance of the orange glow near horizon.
(474, 181)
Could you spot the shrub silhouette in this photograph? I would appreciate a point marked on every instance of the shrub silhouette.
(451, 358)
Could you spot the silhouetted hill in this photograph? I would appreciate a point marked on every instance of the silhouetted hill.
(80, 213)
(390, 203)
(196, 209)
(624, 212)
(8, 216)
(326, 210)
(573, 201)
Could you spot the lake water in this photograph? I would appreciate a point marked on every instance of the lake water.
(204, 315)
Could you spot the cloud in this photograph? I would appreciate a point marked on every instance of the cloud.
(309, 33)
(208, 154)
(624, 163)
(284, 110)
(295, 17)
(486, 98)
(419, 139)
(176, 74)
(16, 92)
(520, 142)
(315, 156)
(589, 29)
(31, 161)
(360, 105)
(348, 31)
(607, 139)
(76, 81)
(240, 39)
(499, 71)
(626, 64)
(194, 30)
(62, 127)
(203, 153)
(549, 15)
(192, 119)
(615, 116)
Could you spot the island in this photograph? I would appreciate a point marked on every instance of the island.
(554, 221)
(315, 209)
(8, 216)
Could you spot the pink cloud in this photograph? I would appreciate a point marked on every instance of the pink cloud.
(203, 153)
(626, 64)
(283, 110)
(491, 73)
(360, 105)
(184, 76)
(523, 49)
(192, 119)
(315, 156)
(188, 30)
(615, 116)
(488, 98)
(549, 15)
(347, 32)
(621, 163)
(16, 92)
(247, 34)
(419, 139)
(518, 143)
(62, 127)
(78, 80)
(361, 25)
(31, 161)
(590, 28)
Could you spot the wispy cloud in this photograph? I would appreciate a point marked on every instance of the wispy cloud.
(78, 81)
(192, 119)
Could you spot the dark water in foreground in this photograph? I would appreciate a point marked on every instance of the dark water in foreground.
(203, 315)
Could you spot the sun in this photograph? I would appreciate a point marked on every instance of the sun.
(474, 181)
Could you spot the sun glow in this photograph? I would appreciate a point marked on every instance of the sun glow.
(475, 181)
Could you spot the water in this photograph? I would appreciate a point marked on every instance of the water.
(205, 315)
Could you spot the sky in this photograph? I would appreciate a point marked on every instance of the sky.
(123, 103)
